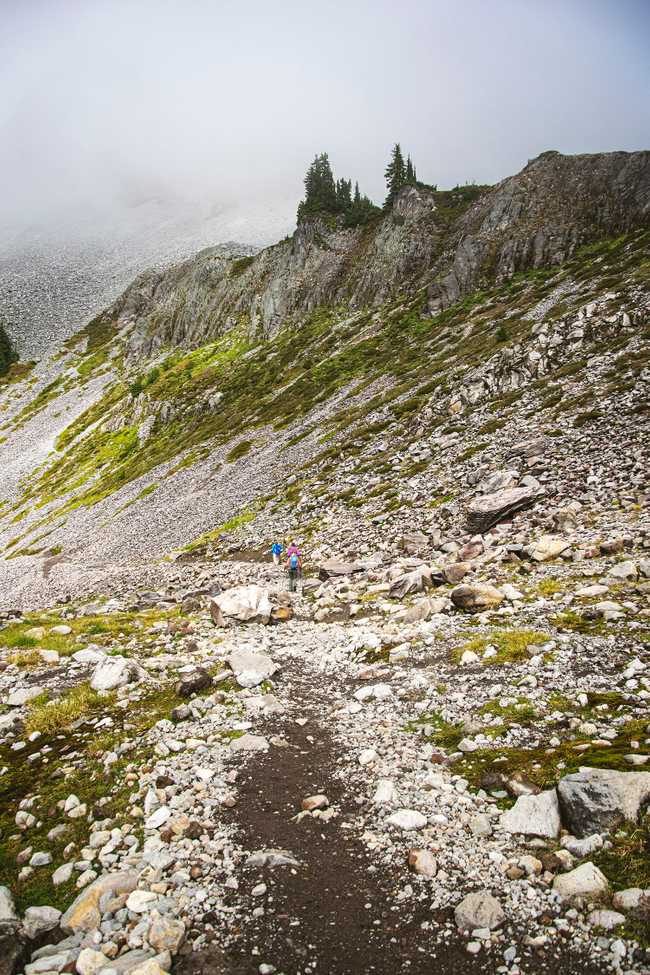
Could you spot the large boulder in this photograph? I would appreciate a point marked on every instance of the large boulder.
(479, 910)
(251, 668)
(333, 568)
(534, 816)
(248, 604)
(113, 672)
(595, 800)
(192, 683)
(83, 914)
(477, 597)
(486, 511)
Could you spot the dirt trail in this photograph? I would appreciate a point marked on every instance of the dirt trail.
(336, 912)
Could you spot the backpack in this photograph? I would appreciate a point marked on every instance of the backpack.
(293, 561)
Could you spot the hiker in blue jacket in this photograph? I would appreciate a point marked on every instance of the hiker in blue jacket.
(276, 552)
(294, 567)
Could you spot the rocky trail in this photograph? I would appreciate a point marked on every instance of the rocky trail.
(333, 910)
(293, 801)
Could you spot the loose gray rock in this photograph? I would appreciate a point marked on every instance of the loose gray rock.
(596, 800)
(479, 910)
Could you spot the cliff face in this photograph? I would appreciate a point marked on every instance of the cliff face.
(541, 216)
(451, 243)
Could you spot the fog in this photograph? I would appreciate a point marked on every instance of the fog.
(107, 105)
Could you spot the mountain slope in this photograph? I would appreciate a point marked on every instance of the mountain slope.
(468, 656)
(248, 366)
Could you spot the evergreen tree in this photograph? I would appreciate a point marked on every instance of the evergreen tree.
(410, 172)
(325, 195)
(395, 175)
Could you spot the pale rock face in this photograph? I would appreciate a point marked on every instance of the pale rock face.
(479, 910)
(7, 906)
(17, 698)
(537, 815)
(249, 743)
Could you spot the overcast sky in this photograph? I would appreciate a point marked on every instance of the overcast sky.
(112, 101)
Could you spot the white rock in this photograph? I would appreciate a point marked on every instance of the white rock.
(384, 792)
(534, 815)
(249, 743)
(115, 672)
(38, 920)
(7, 906)
(17, 698)
(585, 880)
(407, 819)
(139, 901)
(251, 668)
(90, 961)
(367, 756)
(606, 919)
(158, 817)
(479, 910)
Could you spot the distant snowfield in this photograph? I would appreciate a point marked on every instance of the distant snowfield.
(53, 280)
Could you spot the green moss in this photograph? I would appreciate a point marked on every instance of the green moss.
(240, 450)
(240, 265)
(48, 717)
(511, 645)
(445, 734)
(238, 521)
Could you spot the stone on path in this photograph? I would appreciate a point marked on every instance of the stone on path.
(315, 802)
(537, 815)
(479, 910)
(596, 800)
(423, 863)
(407, 819)
(251, 668)
(272, 858)
(585, 880)
(249, 743)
